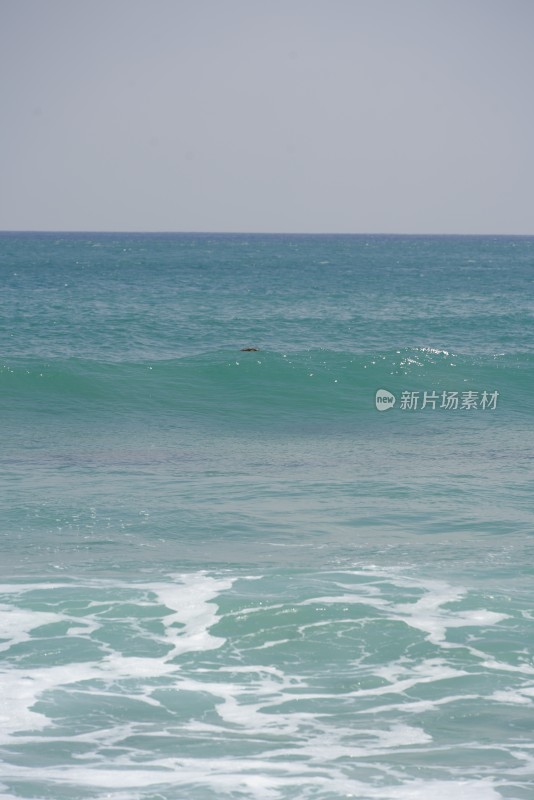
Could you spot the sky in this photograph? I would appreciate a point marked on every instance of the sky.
(310, 116)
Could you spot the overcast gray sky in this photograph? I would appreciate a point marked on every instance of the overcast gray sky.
(412, 116)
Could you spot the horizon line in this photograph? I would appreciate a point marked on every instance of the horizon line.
(249, 233)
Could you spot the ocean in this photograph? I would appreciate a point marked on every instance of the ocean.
(266, 517)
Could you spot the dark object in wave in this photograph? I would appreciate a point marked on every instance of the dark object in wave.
(249, 349)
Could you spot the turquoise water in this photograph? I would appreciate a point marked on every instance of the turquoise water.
(226, 574)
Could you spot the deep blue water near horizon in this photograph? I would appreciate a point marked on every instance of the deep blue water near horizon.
(226, 574)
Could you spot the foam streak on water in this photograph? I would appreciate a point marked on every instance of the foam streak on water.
(367, 683)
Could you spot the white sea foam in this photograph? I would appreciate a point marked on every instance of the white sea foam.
(258, 778)
(187, 627)
(16, 624)
(301, 683)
